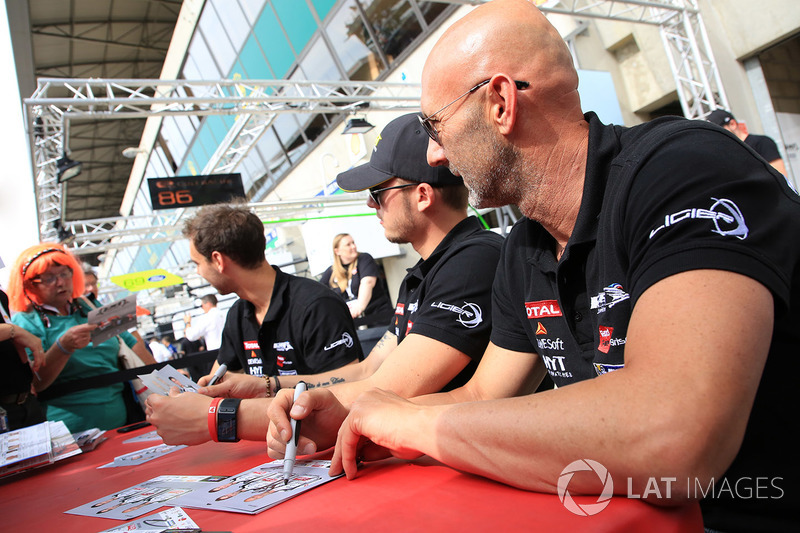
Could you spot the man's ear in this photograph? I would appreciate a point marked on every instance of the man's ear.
(502, 99)
(218, 261)
(423, 195)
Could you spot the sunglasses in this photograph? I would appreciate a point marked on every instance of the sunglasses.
(427, 122)
(375, 194)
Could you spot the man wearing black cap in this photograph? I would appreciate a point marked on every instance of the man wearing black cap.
(442, 321)
(763, 145)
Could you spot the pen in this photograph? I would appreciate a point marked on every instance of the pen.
(291, 446)
(218, 374)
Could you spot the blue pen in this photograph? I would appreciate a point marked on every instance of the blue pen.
(291, 446)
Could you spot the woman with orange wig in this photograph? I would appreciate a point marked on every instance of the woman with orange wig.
(44, 288)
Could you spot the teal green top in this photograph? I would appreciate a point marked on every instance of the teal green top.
(101, 407)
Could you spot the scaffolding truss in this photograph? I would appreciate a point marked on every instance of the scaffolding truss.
(56, 102)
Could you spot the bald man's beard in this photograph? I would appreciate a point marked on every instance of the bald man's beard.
(490, 170)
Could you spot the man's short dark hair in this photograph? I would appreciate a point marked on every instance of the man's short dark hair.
(209, 299)
(454, 196)
(232, 230)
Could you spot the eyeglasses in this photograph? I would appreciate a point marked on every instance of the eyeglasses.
(375, 194)
(51, 279)
(427, 122)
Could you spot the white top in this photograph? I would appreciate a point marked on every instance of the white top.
(208, 325)
(160, 352)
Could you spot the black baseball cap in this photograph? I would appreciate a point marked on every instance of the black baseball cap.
(400, 152)
(720, 117)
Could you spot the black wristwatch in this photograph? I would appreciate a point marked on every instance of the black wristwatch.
(226, 420)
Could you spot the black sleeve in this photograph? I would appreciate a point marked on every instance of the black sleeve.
(456, 308)
(329, 337)
(367, 266)
(721, 213)
(325, 278)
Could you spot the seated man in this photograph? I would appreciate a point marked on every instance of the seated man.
(280, 322)
(655, 279)
(442, 320)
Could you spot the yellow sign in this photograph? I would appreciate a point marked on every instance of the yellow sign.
(147, 279)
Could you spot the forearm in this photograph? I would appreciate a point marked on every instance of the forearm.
(354, 371)
(6, 331)
(143, 353)
(252, 420)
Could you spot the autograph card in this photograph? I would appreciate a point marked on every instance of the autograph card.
(144, 498)
(259, 488)
(142, 456)
(172, 518)
(161, 380)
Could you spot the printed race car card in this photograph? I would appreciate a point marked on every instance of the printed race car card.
(144, 437)
(112, 319)
(259, 488)
(145, 497)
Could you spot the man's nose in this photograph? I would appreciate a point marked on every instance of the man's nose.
(435, 154)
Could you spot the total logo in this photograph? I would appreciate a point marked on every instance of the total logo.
(586, 509)
(542, 309)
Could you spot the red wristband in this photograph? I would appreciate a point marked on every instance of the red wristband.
(212, 418)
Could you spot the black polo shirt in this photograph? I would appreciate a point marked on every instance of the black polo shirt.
(307, 329)
(764, 145)
(665, 197)
(379, 309)
(447, 297)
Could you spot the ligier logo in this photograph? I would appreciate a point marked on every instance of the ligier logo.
(587, 509)
(726, 216)
(346, 339)
(542, 309)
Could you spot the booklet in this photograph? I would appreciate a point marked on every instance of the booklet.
(34, 446)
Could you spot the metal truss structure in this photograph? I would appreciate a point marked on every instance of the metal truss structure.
(57, 102)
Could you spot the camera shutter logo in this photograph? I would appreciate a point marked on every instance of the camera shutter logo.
(587, 509)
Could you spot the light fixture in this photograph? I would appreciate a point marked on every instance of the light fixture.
(66, 168)
(357, 125)
(131, 152)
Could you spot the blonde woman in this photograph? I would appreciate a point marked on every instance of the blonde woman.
(357, 278)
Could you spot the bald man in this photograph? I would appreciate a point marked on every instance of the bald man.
(647, 279)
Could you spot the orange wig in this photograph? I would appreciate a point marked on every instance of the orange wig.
(33, 262)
